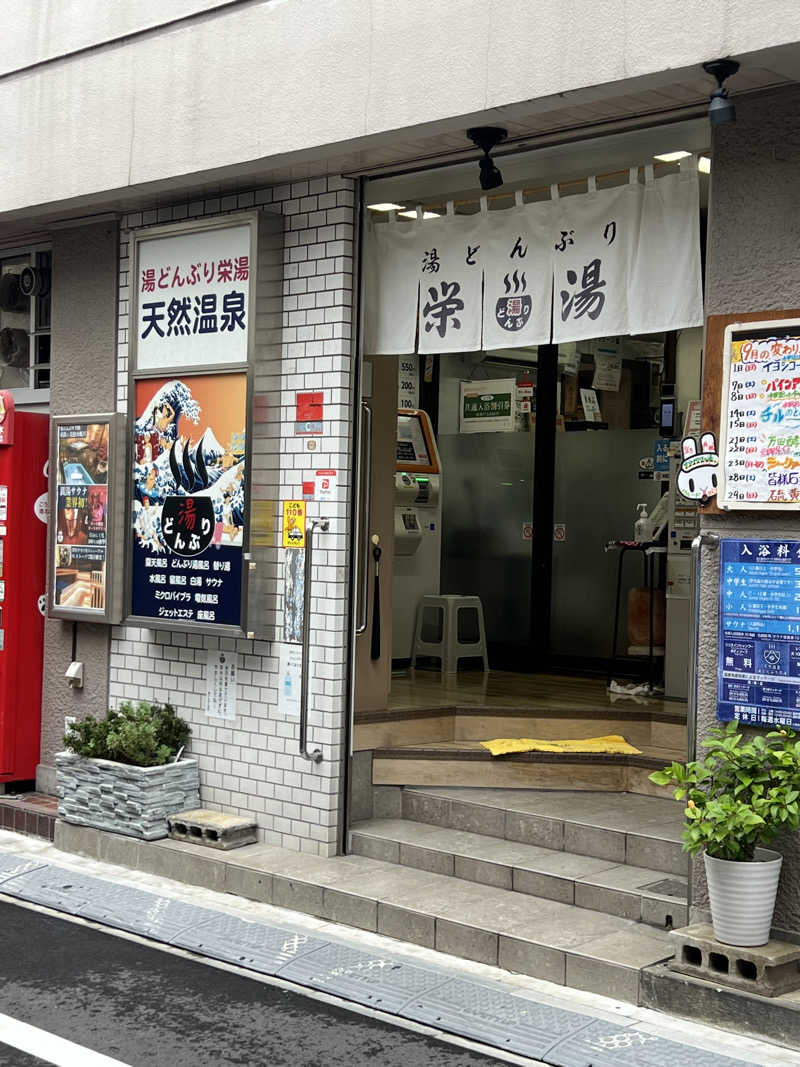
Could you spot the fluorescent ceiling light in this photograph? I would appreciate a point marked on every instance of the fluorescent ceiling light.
(425, 214)
(704, 165)
(672, 157)
(385, 207)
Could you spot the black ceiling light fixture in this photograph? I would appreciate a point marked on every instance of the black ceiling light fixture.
(721, 111)
(486, 138)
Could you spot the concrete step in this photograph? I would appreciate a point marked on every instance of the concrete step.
(557, 942)
(624, 828)
(646, 895)
(465, 763)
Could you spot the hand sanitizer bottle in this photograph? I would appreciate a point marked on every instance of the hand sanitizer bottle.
(641, 528)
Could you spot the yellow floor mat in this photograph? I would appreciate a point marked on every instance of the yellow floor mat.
(611, 744)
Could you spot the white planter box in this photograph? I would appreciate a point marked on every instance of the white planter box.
(126, 800)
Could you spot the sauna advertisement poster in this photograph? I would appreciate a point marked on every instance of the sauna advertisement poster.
(81, 516)
(188, 503)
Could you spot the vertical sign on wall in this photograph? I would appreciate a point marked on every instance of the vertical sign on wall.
(189, 498)
(80, 545)
(193, 295)
(759, 632)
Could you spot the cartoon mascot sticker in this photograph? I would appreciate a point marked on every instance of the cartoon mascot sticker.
(697, 478)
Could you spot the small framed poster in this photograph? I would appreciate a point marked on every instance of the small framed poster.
(87, 455)
(760, 416)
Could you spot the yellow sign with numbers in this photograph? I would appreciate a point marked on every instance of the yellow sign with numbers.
(294, 524)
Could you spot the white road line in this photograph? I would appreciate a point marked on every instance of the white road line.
(56, 1050)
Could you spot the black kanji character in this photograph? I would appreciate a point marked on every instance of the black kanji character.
(232, 311)
(152, 314)
(205, 314)
(567, 238)
(430, 262)
(470, 260)
(612, 227)
(444, 308)
(178, 311)
(589, 301)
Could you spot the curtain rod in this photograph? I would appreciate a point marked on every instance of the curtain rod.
(530, 190)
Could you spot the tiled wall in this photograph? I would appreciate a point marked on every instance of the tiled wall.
(250, 766)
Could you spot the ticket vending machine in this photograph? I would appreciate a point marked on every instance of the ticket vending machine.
(417, 525)
(23, 548)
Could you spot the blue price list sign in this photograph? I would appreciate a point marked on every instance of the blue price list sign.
(759, 632)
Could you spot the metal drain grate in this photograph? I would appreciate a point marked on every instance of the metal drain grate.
(381, 982)
(261, 948)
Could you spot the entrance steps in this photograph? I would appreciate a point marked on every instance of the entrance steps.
(466, 763)
(575, 888)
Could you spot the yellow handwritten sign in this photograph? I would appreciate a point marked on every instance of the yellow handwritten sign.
(294, 524)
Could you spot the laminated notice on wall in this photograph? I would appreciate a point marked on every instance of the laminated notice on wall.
(290, 664)
(221, 685)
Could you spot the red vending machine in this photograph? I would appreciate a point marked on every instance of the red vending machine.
(23, 556)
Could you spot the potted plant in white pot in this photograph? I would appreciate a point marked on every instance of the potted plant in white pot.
(125, 773)
(739, 798)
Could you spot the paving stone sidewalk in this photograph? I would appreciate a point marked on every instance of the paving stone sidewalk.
(468, 1008)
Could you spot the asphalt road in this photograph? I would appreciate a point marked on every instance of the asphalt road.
(148, 1008)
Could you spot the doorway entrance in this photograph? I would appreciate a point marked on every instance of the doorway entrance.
(536, 528)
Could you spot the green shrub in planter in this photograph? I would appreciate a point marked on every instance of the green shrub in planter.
(147, 735)
(741, 796)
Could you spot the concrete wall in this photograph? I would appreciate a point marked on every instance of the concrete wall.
(181, 100)
(752, 265)
(83, 380)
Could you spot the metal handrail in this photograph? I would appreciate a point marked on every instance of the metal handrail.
(322, 524)
(708, 540)
(364, 514)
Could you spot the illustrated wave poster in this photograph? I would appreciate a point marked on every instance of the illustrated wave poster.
(189, 498)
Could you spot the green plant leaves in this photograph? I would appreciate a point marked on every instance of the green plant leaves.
(742, 795)
(145, 735)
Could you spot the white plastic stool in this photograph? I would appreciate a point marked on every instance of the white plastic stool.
(450, 625)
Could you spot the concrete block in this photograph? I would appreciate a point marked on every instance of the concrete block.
(769, 970)
(387, 802)
(600, 976)
(594, 841)
(375, 848)
(349, 909)
(468, 942)
(426, 859)
(298, 896)
(776, 1019)
(477, 818)
(214, 829)
(249, 883)
(83, 840)
(611, 901)
(538, 884)
(177, 861)
(656, 854)
(485, 872)
(538, 961)
(534, 830)
(406, 925)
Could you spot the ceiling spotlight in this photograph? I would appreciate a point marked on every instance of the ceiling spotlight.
(412, 214)
(721, 111)
(672, 157)
(486, 138)
(386, 207)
